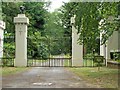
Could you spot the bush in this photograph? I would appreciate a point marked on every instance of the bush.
(7, 61)
(41, 52)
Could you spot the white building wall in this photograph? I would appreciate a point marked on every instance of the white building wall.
(113, 43)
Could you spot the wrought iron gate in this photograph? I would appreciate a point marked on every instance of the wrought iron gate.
(55, 55)
(8, 50)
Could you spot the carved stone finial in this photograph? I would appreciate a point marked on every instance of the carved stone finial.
(22, 9)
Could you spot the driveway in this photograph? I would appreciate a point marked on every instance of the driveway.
(45, 77)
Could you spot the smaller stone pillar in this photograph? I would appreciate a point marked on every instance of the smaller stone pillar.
(77, 50)
(2, 27)
(103, 48)
(21, 22)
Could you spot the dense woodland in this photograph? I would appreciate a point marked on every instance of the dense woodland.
(50, 33)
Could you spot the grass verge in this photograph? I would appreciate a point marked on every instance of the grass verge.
(105, 78)
(12, 70)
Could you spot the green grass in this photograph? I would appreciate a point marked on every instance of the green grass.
(105, 78)
(13, 70)
(118, 61)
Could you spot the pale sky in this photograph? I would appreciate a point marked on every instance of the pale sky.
(56, 4)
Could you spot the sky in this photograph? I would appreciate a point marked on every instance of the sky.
(56, 4)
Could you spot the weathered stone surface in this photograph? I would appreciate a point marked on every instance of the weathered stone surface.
(77, 50)
(21, 22)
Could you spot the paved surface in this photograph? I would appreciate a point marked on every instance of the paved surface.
(45, 77)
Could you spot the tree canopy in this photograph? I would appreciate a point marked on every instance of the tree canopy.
(88, 18)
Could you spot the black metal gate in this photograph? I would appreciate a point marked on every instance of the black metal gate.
(49, 52)
(8, 50)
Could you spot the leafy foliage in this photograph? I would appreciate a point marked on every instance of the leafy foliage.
(57, 34)
(35, 12)
(88, 17)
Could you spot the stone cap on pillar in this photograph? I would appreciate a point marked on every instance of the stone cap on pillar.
(2, 24)
(21, 18)
(73, 19)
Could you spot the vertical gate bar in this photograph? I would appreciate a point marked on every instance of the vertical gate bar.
(49, 61)
(32, 62)
(43, 64)
(13, 61)
(27, 62)
(35, 62)
(68, 62)
(58, 61)
(40, 63)
(54, 63)
(62, 63)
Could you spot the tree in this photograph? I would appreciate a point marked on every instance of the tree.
(88, 16)
(34, 11)
(57, 34)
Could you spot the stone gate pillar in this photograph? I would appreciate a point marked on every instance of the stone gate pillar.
(77, 50)
(21, 22)
(2, 27)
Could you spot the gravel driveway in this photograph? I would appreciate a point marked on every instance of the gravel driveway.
(45, 77)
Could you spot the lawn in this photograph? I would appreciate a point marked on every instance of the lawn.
(105, 78)
(12, 70)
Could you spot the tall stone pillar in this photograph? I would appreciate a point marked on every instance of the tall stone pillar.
(21, 22)
(103, 48)
(77, 50)
(2, 27)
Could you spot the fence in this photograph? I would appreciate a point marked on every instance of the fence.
(50, 62)
(9, 62)
(93, 61)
